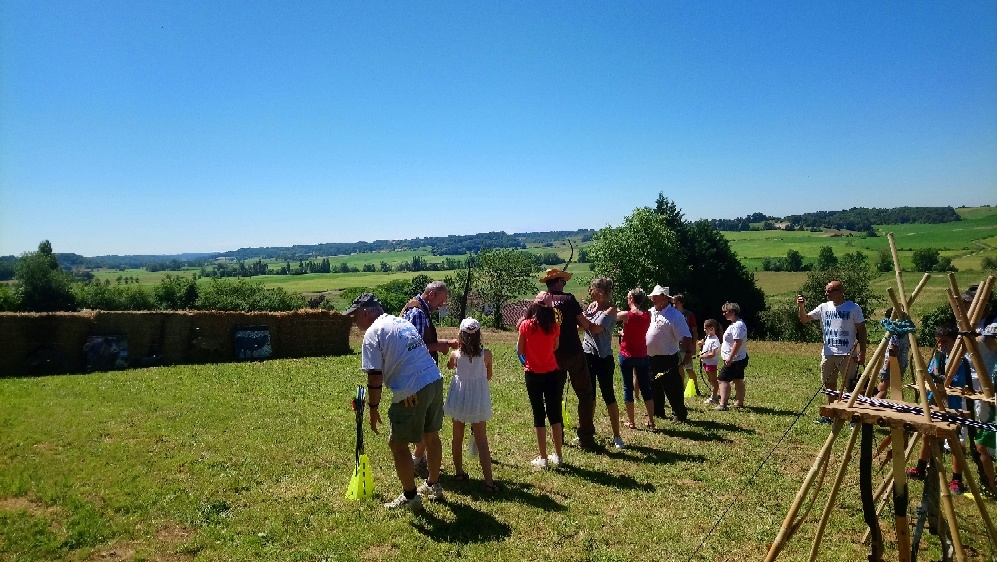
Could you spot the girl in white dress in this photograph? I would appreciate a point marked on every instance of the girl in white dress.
(469, 400)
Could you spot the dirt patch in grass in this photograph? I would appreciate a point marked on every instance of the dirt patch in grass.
(160, 548)
(379, 552)
(24, 504)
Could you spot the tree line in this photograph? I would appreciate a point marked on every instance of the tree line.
(41, 285)
(857, 219)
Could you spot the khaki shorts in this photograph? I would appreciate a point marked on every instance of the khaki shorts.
(409, 424)
(831, 365)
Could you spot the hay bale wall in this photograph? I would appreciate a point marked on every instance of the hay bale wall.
(43, 343)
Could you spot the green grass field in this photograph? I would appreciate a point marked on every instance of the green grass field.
(251, 461)
(966, 242)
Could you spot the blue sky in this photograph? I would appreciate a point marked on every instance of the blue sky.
(166, 127)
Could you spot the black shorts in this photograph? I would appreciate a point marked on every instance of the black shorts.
(734, 371)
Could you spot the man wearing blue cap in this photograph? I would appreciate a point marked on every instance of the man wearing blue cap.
(394, 355)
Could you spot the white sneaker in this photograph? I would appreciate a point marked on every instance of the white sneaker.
(401, 501)
(554, 460)
(710, 400)
(618, 443)
(432, 493)
(539, 463)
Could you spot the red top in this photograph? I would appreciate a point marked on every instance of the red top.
(538, 346)
(634, 343)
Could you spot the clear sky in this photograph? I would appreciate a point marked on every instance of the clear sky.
(160, 127)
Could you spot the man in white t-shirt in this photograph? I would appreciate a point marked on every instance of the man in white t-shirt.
(843, 325)
(394, 355)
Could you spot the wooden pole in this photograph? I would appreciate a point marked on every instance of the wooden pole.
(789, 525)
(967, 475)
(886, 488)
(900, 494)
(972, 346)
(920, 370)
(946, 498)
(977, 309)
(834, 493)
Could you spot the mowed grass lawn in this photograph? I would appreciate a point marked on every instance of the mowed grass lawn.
(251, 462)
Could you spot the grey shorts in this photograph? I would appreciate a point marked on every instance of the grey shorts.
(409, 424)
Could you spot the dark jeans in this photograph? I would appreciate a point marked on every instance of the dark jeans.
(629, 366)
(668, 384)
(574, 367)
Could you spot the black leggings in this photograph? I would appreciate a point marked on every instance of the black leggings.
(601, 369)
(546, 392)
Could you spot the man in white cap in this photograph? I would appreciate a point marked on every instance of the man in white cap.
(570, 356)
(393, 354)
(668, 334)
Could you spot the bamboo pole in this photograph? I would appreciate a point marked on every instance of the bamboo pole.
(789, 525)
(886, 487)
(972, 346)
(897, 270)
(920, 370)
(900, 502)
(917, 290)
(948, 510)
(976, 311)
(974, 488)
(822, 525)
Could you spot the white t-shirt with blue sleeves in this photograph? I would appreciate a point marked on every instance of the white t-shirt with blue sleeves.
(393, 346)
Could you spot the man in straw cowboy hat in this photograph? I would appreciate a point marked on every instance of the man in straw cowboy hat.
(668, 334)
(570, 357)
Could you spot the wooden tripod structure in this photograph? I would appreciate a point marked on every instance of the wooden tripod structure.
(922, 425)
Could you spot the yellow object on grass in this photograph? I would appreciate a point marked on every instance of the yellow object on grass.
(690, 388)
(362, 482)
(565, 416)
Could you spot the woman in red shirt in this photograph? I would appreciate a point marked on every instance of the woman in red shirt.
(633, 356)
(539, 331)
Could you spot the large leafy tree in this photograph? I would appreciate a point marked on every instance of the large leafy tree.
(658, 246)
(501, 275)
(716, 275)
(642, 252)
(42, 285)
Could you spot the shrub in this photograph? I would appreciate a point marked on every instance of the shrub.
(8, 299)
(175, 293)
(246, 296)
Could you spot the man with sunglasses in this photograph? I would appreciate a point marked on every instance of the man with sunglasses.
(843, 325)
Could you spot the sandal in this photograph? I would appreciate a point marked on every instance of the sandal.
(461, 477)
(650, 426)
(492, 488)
(629, 425)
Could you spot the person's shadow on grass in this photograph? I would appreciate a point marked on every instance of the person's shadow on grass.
(604, 478)
(516, 492)
(468, 525)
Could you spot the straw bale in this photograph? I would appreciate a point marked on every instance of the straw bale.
(165, 337)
